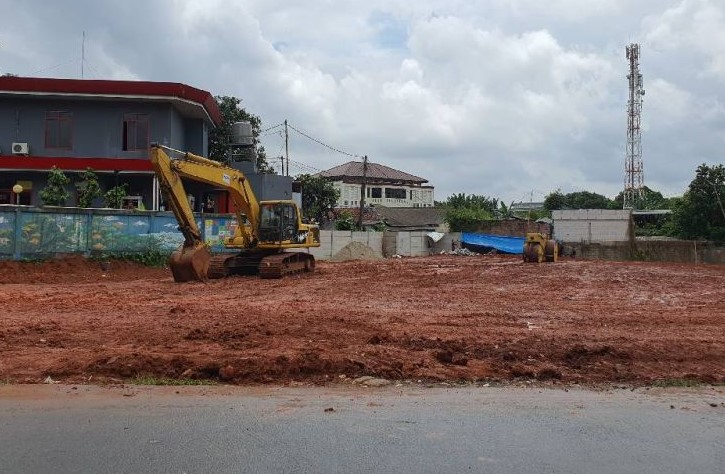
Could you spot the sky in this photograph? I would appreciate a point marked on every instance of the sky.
(505, 98)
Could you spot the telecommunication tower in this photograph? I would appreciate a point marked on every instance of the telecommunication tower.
(633, 170)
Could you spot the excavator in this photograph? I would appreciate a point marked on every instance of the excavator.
(265, 229)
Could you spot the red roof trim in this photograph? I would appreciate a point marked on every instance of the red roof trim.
(40, 85)
(44, 163)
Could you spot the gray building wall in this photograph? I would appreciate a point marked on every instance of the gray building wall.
(97, 127)
(97, 132)
(270, 187)
(592, 225)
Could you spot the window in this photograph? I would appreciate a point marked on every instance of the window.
(395, 193)
(376, 192)
(58, 130)
(135, 132)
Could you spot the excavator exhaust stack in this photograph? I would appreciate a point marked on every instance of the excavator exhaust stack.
(190, 263)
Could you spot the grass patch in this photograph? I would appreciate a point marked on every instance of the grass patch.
(7, 381)
(153, 380)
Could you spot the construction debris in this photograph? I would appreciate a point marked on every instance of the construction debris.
(463, 252)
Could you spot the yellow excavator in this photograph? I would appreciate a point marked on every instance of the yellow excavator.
(539, 248)
(265, 229)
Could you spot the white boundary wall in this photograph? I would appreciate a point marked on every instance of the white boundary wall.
(591, 225)
(332, 241)
(383, 244)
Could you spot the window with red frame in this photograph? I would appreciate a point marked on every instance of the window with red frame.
(59, 130)
(135, 132)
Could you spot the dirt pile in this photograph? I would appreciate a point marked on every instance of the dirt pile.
(490, 318)
(355, 251)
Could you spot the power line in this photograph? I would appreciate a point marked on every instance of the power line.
(270, 128)
(304, 167)
(276, 132)
(323, 144)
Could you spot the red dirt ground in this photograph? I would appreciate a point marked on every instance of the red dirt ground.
(488, 318)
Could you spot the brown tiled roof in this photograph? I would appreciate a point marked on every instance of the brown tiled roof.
(354, 169)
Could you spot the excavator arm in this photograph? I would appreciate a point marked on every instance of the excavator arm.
(191, 261)
(196, 168)
(264, 229)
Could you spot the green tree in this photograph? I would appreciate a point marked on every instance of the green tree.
(220, 137)
(345, 221)
(576, 200)
(88, 188)
(464, 213)
(55, 192)
(466, 219)
(114, 196)
(472, 201)
(555, 200)
(651, 200)
(319, 196)
(701, 212)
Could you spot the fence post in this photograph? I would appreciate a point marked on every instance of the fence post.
(89, 232)
(18, 234)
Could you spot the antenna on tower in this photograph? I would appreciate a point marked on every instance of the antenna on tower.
(633, 168)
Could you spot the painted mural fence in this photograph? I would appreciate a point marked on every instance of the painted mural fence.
(29, 232)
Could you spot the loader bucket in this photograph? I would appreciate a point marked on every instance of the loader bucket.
(190, 263)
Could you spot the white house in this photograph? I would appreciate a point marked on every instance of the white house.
(385, 186)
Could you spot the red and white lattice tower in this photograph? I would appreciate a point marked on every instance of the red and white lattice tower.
(633, 169)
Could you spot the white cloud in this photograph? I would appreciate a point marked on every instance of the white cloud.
(669, 105)
(490, 97)
(692, 27)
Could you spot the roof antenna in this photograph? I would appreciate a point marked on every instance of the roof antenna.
(83, 53)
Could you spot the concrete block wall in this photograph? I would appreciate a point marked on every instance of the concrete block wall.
(682, 251)
(592, 225)
(332, 241)
(415, 243)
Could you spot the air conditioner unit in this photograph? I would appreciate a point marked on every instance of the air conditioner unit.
(21, 149)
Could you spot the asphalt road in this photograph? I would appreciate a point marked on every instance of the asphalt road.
(59, 429)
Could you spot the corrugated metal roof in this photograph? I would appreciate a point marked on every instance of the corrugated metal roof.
(354, 169)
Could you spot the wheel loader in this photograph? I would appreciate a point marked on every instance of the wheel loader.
(539, 248)
(265, 229)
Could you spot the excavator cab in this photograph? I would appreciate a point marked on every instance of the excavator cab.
(278, 223)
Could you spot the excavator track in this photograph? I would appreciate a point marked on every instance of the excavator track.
(286, 263)
(218, 267)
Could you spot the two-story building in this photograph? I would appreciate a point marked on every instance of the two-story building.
(100, 124)
(385, 186)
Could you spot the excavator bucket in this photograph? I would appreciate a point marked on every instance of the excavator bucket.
(190, 263)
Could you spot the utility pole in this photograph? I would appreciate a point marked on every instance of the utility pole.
(362, 191)
(286, 147)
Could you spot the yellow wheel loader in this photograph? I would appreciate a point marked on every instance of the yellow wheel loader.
(538, 248)
(265, 230)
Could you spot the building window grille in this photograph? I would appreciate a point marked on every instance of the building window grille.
(59, 130)
(395, 193)
(135, 132)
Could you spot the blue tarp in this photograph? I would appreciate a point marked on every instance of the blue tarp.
(498, 242)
